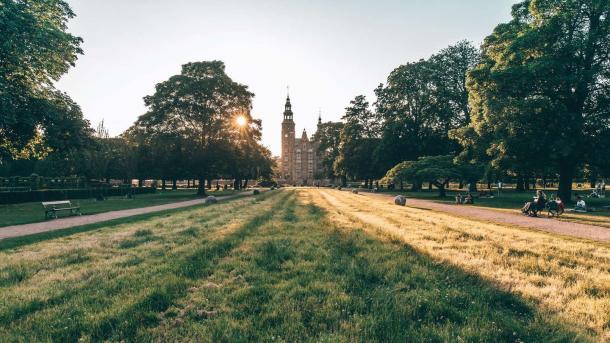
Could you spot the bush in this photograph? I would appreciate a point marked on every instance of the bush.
(68, 194)
(210, 200)
(256, 192)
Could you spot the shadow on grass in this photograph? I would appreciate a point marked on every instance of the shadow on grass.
(321, 282)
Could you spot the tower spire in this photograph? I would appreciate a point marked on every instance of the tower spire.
(288, 108)
(319, 116)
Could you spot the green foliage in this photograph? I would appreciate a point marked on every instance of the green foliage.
(358, 140)
(421, 102)
(190, 128)
(438, 170)
(37, 50)
(328, 136)
(541, 92)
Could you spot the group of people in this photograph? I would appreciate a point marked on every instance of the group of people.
(468, 199)
(555, 206)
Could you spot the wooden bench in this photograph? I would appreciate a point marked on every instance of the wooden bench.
(51, 208)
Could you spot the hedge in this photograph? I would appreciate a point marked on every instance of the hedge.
(68, 194)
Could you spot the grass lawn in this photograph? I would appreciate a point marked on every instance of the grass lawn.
(305, 265)
(513, 201)
(32, 212)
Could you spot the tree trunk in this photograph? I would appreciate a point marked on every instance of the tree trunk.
(366, 183)
(430, 186)
(416, 186)
(201, 187)
(441, 189)
(188, 183)
(472, 186)
(461, 185)
(566, 176)
(343, 181)
(246, 183)
(174, 184)
(520, 182)
(163, 184)
(140, 182)
(209, 184)
(592, 180)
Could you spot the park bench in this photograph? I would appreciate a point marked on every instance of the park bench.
(51, 208)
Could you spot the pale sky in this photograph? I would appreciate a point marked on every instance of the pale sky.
(326, 51)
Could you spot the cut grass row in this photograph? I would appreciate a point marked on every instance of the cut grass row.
(566, 277)
(32, 212)
(292, 265)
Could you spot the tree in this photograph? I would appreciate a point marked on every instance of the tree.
(193, 115)
(36, 51)
(438, 170)
(541, 92)
(358, 141)
(421, 102)
(328, 136)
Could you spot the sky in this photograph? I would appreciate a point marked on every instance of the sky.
(327, 52)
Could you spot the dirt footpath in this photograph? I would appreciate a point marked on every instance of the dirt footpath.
(593, 232)
(68, 222)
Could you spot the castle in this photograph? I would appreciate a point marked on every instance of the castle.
(299, 162)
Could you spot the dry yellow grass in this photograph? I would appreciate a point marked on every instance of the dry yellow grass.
(569, 278)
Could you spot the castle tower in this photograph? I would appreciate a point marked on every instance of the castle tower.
(288, 142)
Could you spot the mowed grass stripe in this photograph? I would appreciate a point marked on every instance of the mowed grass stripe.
(107, 296)
(566, 277)
(306, 278)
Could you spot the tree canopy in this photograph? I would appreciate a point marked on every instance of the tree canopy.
(36, 51)
(541, 94)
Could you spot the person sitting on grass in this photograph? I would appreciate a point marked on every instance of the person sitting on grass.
(581, 206)
(458, 199)
(469, 199)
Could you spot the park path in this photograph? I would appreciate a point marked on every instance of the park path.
(68, 222)
(597, 233)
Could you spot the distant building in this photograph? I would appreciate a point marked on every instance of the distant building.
(299, 162)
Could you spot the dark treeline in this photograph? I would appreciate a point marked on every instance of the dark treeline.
(532, 102)
(198, 124)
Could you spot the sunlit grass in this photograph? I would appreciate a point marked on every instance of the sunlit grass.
(568, 277)
(301, 265)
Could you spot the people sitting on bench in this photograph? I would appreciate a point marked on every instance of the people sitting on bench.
(460, 199)
(533, 207)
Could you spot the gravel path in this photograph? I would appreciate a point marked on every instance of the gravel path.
(543, 223)
(68, 222)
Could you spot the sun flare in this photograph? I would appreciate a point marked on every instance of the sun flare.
(241, 121)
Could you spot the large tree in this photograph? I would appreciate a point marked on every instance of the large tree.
(198, 109)
(328, 136)
(358, 140)
(540, 95)
(35, 51)
(421, 102)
